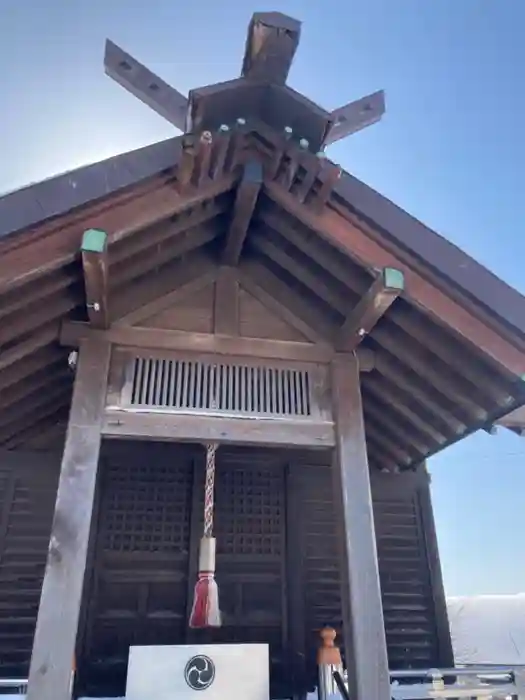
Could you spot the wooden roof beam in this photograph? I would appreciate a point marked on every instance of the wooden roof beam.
(35, 384)
(148, 87)
(94, 251)
(140, 209)
(245, 201)
(356, 115)
(350, 239)
(271, 44)
(514, 419)
(286, 303)
(47, 311)
(375, 303)
(43, 430)
(409, 385)
(21, 424)
(73, 333)
(25, 412)
(34, 342)
(386, 394)
(35, 362)
(408, 319)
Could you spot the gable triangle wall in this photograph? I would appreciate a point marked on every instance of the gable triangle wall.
(195, 314)
(256, 321)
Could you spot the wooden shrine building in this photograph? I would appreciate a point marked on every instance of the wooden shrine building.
(233, 285)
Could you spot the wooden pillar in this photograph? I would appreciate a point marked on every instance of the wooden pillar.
(58, 615)
(364, 628)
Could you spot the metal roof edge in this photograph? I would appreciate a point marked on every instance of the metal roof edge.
(32, 204)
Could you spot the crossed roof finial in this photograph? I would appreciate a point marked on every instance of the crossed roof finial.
(260, 93)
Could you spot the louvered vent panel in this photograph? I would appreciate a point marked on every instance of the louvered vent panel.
(208, 387)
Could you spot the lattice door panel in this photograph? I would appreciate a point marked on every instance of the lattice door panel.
(145, 503)
(250, 531)
(250, 509)
(140, 587)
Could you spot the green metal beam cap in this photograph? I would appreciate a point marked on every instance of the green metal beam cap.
(394, 279)
(94, 240)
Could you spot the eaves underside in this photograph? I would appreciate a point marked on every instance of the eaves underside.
(429, 388)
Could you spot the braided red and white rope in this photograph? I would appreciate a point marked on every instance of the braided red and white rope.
(211, 450)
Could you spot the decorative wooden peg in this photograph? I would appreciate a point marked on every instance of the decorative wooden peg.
(328, 662)
(328, 653)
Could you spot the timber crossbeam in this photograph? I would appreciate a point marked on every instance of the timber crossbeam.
(190, 428)
(72, 333)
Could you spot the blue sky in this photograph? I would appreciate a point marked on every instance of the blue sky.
(450, 150)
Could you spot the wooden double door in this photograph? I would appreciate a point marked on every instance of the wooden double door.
(145, 548)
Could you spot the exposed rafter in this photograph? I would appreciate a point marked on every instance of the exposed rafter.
(129, 213)
(350, 239)
(381, 295)
(243, 209)
(409, 320)
(94, 250)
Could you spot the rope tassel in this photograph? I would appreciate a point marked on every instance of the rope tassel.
(205, 611)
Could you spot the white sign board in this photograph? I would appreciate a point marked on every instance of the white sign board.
(199, 672)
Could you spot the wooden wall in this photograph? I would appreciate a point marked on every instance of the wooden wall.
(247, 316)
(277, 584)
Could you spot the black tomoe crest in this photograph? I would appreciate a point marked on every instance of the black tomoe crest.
(199, 672)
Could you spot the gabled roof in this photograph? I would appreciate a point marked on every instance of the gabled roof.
(450, 351)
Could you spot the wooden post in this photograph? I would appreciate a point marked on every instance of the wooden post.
(56, 628)
(364, 629)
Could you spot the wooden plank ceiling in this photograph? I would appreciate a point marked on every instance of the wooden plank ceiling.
(243, 189)
(168, 234)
